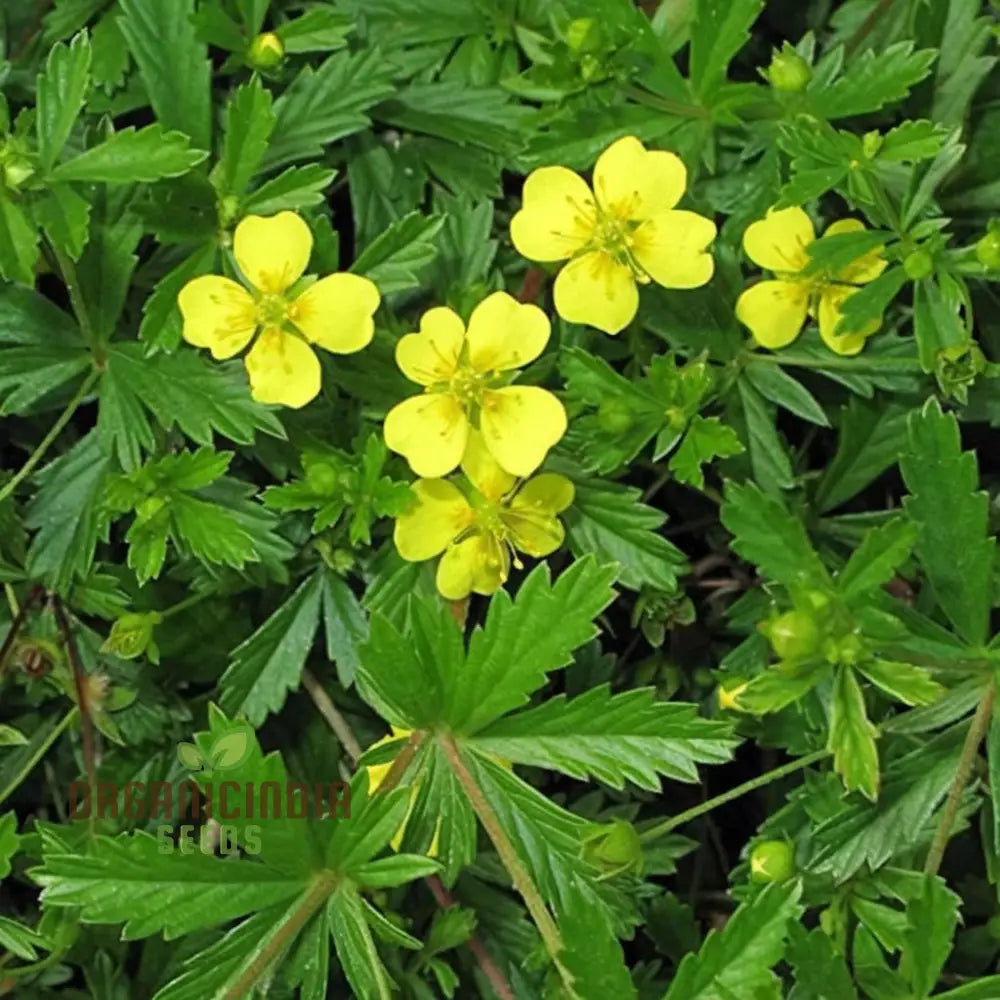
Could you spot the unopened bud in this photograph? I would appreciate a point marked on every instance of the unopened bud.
(772, 861)
(988, 250)
(789, 71)
(793, 635)
(918, 264)
(615, 848)
(266, 51)
(584, 35)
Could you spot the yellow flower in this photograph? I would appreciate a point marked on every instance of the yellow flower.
(462, 372)
(776, 309)
(478, 534)
(334, 313)
(625, 232)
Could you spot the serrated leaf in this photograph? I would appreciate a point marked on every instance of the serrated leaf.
(613, 738)
(524, 639)
(356, 950)
(327, 104)
(706, 438)
(775, 384)
(821, 973)
(173, 64)
(874, 562)
(910, 684)
(768, 458)
(64, 215)
(932, 916)
(768, 535)
(737, 960)
(249, 122)
(609, 521)
(720, 29)
(872, 81)
(129, 155)
(852, 736)
(294, 188)
(18, 242)
(60, 94)
(128, 879)
(344, 626)
(396, 258)
(953, 547)
(268, 665)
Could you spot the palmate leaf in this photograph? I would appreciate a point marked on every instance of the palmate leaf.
(614, 738)
(129, 879)
(953, 547)
(736, 961)
(526, 638)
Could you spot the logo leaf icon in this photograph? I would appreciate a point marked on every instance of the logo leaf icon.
(231, 749)
(190, 756)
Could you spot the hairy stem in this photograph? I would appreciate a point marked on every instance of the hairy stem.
(970, 749)
(508, 855)
(668, 825)
(43, 446)
(403, 760)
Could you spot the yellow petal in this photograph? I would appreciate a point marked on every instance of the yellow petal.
(336, 312)
(595, 289)
(218, 314)
(632, 182)
(779, 240)
(272, 251)
(531, 519)
(430, 430)
(506, 334)
(283, 369)
(520, 423)
(557, 215)
(774, 311)
(431, 355)
(867, 267)
(830, 304)
(438, 516)
(549, 493)
(672, 249)
(478, 563)
(483, 470)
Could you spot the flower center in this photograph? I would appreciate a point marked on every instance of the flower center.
(614, 235)
(272, 311)
(467, 385)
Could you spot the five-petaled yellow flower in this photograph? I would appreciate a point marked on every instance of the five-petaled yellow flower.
(478, 531)
(334, 313)
(463, 372)
(626, 231)
(776, 309)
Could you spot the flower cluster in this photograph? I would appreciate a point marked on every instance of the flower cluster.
(623, 231)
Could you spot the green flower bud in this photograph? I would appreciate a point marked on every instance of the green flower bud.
(871, 143)
(988, 250)
(16, 171)
(584, 35)
(132, 635)
(772, 861)
(919, 264)
(266, 51)
(615, 848)
(788, 71)
(614, 415)
(321, 477)
(793, 635)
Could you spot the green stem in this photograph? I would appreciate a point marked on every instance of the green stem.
(970, 749)
(508, 855)
(334, 719)
(39, 753)
(188, 602)
(64, 418)
(402, 762)
(839, 364)
(668, 825)
(71, 280)
(679, 108)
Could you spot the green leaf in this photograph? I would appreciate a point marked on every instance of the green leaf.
(161, 318)
(706, 438)
(775, 384)
(872, 81)
(130, 155)
(129, 880)
(398, 256)
(961, 66)
(953, 547)
(18, 242)
(356, 950)
(344, 626)
(874, 562)
(609, 520)
(591, 953)
(820, 970)
(852, 736)
(60, 94)
(983, 988)
(294, 188)
(395, 870)
(321, 29)
(66, 514)
(871, 439)
(937, 319)
(613, 738)
(736, 961)
(173, 64)
(932, 917)
(719, 31)
(323, 105)
(910, 684)
(249, 123)
(768, 457)
(65, 216)
(525, 639)
(766, 534)
(268, 665)
(210, 532)
(9, 840)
